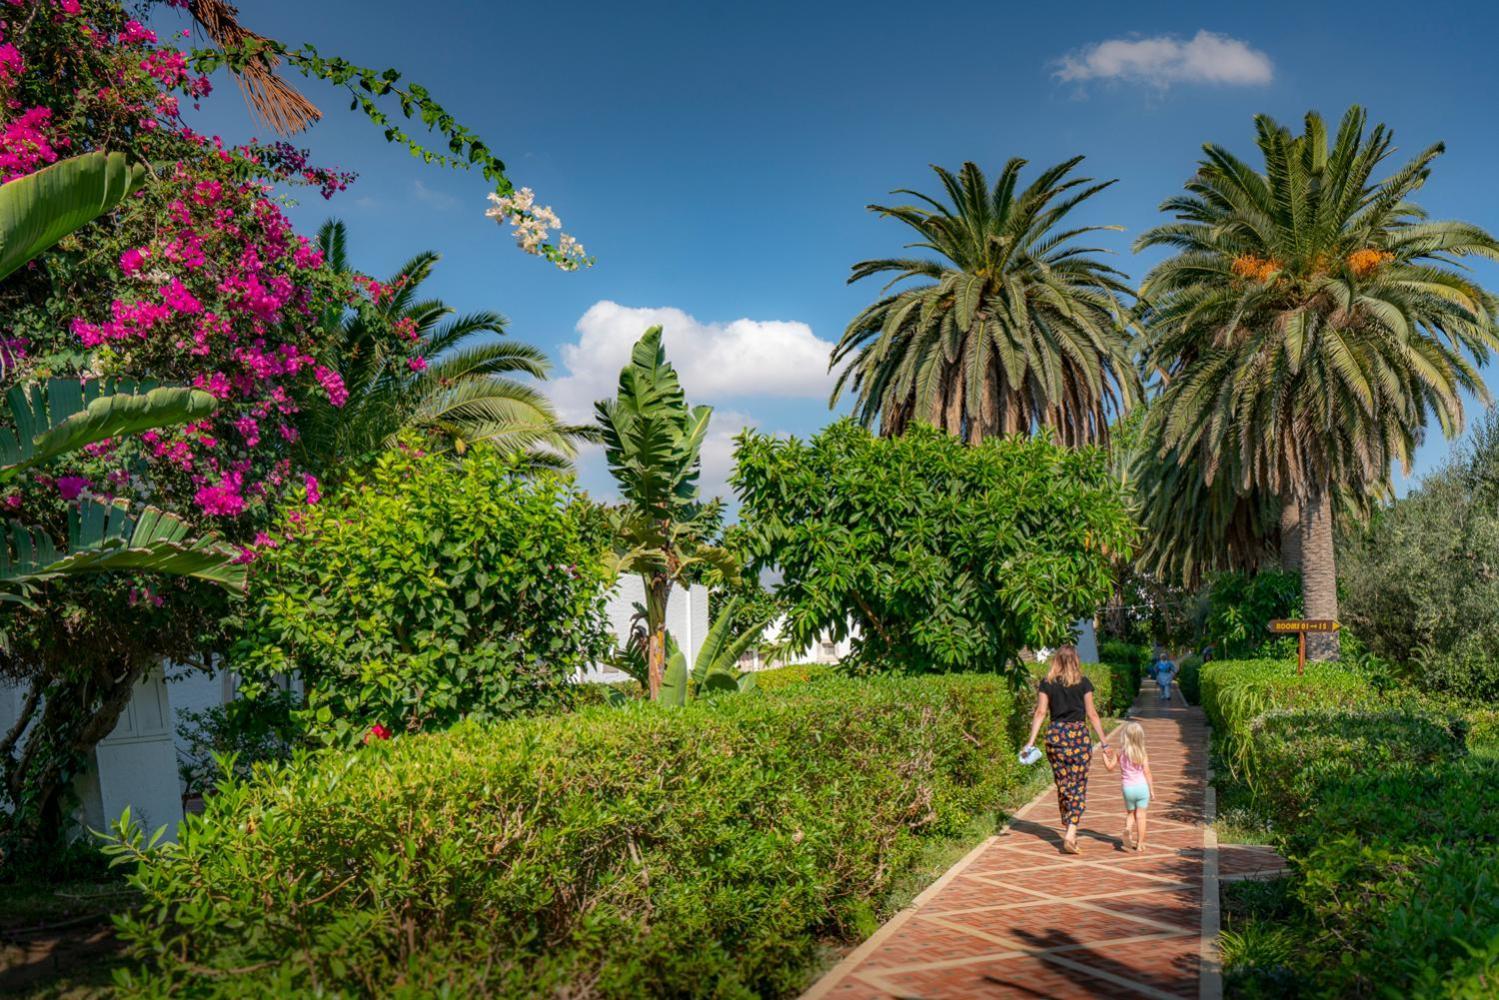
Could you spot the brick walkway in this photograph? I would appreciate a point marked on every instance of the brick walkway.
(1018, 918)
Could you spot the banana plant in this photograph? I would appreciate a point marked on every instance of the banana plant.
(716, 670)
(41, 208)
(653, 443)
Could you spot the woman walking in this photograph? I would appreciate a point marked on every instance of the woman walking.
(1067, 696)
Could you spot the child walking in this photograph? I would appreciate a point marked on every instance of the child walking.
(1135, 780)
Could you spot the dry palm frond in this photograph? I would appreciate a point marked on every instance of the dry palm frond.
(276, 102)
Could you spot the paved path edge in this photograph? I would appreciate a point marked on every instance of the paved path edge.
(845, 965)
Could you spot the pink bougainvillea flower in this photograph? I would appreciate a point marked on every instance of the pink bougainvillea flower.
(70, 486)
(314, 493)
(417, 364)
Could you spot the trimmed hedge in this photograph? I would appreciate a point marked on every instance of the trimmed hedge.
(1392, 830)
(791, 675)
(636, 851)
(1189, 679)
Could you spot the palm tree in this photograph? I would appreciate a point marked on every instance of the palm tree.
(653, 443)
(465, 394)
(1016, 325)
(1311, 321)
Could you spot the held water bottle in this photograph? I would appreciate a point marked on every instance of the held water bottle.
(1030, 755)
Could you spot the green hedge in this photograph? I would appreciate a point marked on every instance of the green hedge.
(1391, 828)
(791, 675)
(700, 851)
(1189, 678)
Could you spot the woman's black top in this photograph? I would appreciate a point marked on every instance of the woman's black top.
(1066, 703)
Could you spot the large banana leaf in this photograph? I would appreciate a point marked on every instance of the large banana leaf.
(62, 415)
(104, 537)
(41, 208)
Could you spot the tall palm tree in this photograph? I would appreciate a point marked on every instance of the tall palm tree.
(1311, 321)
(465, 394)
(1016, 325)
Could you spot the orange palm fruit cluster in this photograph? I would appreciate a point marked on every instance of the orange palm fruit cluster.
(1366, 260)
(1250, 266)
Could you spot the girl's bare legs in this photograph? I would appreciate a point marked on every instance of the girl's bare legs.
(1069, 839)
(1129, 828)
(1140, 828)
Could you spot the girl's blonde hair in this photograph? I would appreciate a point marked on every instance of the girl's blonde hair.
(1065, 667)
(1133, 738)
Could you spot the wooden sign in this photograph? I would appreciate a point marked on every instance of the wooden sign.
(1303, 625)
(1300, 627)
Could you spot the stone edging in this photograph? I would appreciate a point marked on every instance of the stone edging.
(1210, 962)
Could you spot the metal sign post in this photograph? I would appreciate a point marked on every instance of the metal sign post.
(1301, 626)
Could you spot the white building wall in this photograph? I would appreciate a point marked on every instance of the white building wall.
(686, 620)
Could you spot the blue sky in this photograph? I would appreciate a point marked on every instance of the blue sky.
(717, 159)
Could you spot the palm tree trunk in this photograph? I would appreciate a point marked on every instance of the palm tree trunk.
(1290, 536)
(1319, 572)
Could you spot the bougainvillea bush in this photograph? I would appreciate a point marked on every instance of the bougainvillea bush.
(198, 279)
(429, 590)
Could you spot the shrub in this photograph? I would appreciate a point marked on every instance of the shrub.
(1390, 828)
(1124, 653)
(430, 589)
(644, 852)
(1235, 692)
(1240, 606)
(791, 675)
(937, 555)
(1300, 752)
(1189, 678)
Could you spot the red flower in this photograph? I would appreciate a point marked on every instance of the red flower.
(377, 732)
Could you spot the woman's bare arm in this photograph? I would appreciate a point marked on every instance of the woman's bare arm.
(1036, 717)
(1093, 717)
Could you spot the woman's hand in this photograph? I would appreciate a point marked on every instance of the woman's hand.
(1036, 717)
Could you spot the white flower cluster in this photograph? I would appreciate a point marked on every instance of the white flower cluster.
(533, 224)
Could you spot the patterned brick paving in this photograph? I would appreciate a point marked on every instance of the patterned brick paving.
(1018, 918)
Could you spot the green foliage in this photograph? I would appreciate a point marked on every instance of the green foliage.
(716, 667)
(248, 731)
(527, 858)
(791, 675)
(429, 590)
(40, 208)
(1012, 326)
(1389, 825)
(1241, 606)
(945, 556)
(1415, 587)
(1236, 692)
(465, 392)
(1189, 678)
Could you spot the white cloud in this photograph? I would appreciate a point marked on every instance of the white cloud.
(1163, 60)
(716, 361)
(437, 199)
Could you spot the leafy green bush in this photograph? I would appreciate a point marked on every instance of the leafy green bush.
(1124, 653)
(790, 675)
(1189, 678)
(704, 850)
(427, 590)
(941, 556)
(1470, 670)
(1391, 829)
(1301, 752)
(254, 732)
(1235, 692)
(1241, 605)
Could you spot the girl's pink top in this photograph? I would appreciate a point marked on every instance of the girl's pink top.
(1130, 773)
